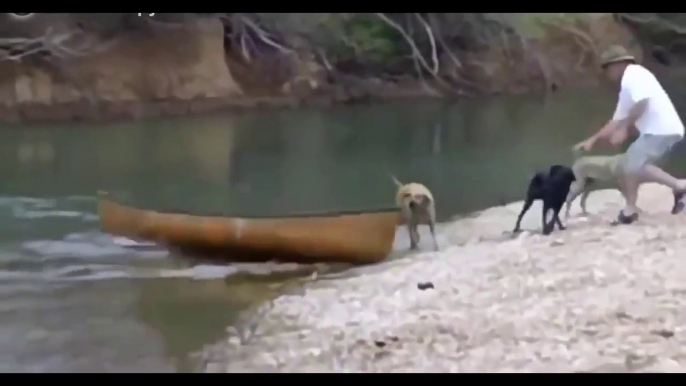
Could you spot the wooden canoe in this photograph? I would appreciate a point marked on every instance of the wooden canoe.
(362, 237)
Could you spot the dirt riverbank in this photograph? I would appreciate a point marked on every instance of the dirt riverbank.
(593, 298)
(160, 71)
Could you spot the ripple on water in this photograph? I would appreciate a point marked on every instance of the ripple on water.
(94, 273)
(90, 245)
(28, 208)
(93, 255)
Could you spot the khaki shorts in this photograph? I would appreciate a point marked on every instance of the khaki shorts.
(648, 149)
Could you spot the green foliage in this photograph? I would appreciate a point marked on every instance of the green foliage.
(372, 38)
(530, 25)
(665, 30)
(360, 38)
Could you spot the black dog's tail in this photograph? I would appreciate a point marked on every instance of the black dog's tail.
(538, 180)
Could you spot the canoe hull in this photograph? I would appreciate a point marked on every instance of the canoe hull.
(357, 238)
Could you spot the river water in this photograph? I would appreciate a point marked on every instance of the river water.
(73, 299)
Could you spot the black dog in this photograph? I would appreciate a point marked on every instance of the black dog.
(551, 187)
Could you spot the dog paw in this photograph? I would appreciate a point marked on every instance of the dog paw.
(512, 234)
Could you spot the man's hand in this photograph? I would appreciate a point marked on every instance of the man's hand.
(585, 145)
(619, 136)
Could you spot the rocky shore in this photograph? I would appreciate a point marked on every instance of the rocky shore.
(594, 298)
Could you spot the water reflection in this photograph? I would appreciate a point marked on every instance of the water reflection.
(276, 162)
(191, 313)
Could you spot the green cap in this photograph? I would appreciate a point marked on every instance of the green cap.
(615, 54)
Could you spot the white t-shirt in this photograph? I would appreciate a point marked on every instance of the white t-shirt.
(660, 116)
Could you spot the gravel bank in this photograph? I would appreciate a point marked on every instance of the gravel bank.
(592, 298)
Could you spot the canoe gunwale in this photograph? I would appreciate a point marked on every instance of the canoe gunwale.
(297, 215)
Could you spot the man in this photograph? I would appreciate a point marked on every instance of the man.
(643, 104)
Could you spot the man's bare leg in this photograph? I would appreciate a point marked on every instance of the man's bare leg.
(630, 191)
(652, 173)
(629, 185)
(639, 167)
(622, 186)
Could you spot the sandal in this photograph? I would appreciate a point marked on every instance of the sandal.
(624, 219)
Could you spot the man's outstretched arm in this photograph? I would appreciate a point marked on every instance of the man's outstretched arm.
(635, 112)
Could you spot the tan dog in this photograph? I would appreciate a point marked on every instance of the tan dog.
(587, 170)
(417, 207)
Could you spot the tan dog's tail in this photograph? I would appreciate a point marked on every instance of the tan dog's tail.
(396, 182)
